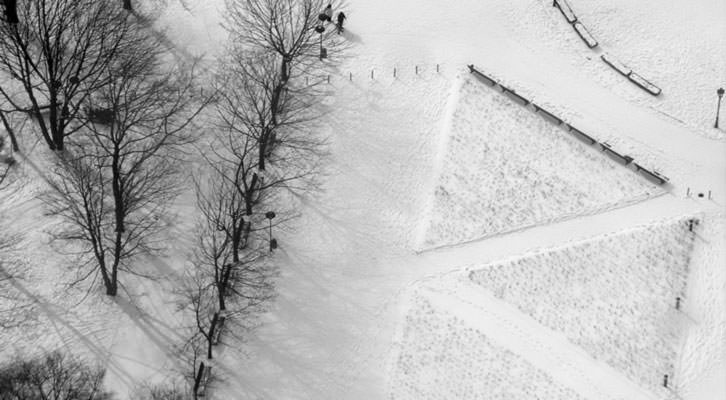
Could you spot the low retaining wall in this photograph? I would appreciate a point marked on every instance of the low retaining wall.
(622, 159)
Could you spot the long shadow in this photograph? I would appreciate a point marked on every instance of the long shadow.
(62, 326)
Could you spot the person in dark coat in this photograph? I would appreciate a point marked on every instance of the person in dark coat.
(341, 19)
(328, 12)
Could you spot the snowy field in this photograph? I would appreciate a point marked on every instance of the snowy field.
(506, 168)
(441, 357)
(563, 280)
(680, 59)
(614, 296)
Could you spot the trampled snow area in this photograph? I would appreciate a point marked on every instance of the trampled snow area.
(360, 313)
(507, 168)
(614, 296)
(444, 358)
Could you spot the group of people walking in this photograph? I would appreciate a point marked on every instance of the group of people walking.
(327, 15)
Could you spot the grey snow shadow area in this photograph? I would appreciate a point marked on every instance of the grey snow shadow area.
(72, 333)
(351, 37)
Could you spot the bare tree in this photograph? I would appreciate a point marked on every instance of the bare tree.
(57, 57)
(115, 184)
(53, 377)
(252, 102)
(282, 38)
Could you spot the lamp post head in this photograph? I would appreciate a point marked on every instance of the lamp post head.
(720, 92)
(270, 215)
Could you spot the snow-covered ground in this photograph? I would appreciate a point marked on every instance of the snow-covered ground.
(338, 328)
(507, 168)
(444, 358)
(614, 296)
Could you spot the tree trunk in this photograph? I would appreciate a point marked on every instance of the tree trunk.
(119, 213)
(212, 327)
(11, 132)
(262, 150)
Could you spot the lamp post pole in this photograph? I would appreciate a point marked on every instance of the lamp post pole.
(720, 93)
(320, 29)
(273, 243)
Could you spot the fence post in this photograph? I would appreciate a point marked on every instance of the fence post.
(417, 70)
(371, 74)
(350, 76)
(437, 68)
(394, 72)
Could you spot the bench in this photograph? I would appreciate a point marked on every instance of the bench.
(548, 115)
(651, 175)
(565, 10)
(218, 326)
(644, 84)
(616, 65)
(585, 35)
(514, 96)
(581, 135)
(489, 81)
(625, 160)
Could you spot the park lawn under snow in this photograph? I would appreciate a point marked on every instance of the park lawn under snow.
(507, 168)
(614, 295)
(442, 357)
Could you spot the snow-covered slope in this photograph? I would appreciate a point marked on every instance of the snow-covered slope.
(349, 263)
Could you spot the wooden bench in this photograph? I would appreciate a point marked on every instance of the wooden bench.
(585, 35)
(566, 10)
(548, 115)
(218, 326)
(489, 81)
(515, 96)
(625, 160)
(651, 175)
(616, 65)
(644, 84)
(581, 135)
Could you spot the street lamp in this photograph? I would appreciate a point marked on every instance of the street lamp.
(719, 92)
(273, 242)
(323, 51)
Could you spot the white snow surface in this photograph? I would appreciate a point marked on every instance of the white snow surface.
(349, 265)
(507, 168)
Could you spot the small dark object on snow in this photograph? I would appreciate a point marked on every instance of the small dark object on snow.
(319, 29)
(678, 303)
(341, 20)
(700, 195)
(11, 11)
(665, 380)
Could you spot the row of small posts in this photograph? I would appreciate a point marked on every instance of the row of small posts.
(625, 160)
(395, 73)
